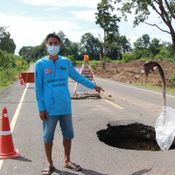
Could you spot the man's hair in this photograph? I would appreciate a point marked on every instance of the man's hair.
(52, 35)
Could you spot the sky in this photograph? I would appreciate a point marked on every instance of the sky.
(29, 21)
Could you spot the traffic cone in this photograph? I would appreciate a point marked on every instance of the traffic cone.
(6, 142)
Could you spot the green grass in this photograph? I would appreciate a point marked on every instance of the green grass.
(149, 86)
(91, 62)
(10, 75)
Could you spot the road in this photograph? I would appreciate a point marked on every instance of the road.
(89, 116)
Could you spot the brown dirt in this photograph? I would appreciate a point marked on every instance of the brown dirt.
(132, 72)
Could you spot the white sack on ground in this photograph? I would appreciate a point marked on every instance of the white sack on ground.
(165, 128)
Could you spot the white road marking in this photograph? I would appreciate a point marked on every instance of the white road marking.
(132, 87)
(114, 104)
(15, 117)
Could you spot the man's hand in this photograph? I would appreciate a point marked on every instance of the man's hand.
(43, 115)
(98, 89)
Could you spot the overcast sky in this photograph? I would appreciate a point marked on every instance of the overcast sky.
(29, 21)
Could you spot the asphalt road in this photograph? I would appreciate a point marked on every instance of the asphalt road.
(89, 116)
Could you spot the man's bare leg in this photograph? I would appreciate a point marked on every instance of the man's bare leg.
(48, 151)
(67, 150)
(67, 162)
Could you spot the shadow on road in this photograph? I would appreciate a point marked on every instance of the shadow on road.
(90, 172)
(63, 172)
(142, 172)
(23, 159)
(84, 171)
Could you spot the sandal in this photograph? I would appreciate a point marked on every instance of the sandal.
(49, 170)
(73, 166)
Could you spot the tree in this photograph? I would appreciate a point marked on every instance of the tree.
(155, 46)
(2, 31)
(38, 52)
(125, 45)
(108, 22)
(119, 46)
(142, 42)
(145, 47)
(68, 47)
(6, 42)
(90, 45)
(30, 53)
(26, 53)
(165, 9)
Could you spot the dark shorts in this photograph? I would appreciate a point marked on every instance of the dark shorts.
(49, 126)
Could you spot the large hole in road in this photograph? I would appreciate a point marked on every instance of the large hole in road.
(127, 134)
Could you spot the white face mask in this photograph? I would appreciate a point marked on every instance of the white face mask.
(53, 50)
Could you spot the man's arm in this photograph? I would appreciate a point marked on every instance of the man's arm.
(39, 86)
(82, 80)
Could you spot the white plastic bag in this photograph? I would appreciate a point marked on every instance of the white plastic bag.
(165, 128)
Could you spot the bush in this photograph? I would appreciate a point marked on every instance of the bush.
(163, 54)
(172, 78)
(107, 59)
(166, 53)
(7, 76)
(126, 57)
(72, 58)
(10, 66)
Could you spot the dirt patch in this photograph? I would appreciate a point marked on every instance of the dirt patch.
(132, 72)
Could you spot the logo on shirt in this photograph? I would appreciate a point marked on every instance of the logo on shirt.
(63, 68)
(48, 71)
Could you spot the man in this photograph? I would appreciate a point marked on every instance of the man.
(54, 101)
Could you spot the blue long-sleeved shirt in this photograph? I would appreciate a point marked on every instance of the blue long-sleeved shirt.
(51, 85)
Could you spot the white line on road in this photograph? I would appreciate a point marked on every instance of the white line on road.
(113, 104)
(132, 87)
(15, 117)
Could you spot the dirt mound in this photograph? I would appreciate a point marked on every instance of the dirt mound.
(132, 72)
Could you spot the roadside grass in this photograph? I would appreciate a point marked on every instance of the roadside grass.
(151, 87)
(10, 66)
(91, 62)
(10, 75)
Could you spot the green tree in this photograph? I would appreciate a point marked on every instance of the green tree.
(165, 10)
(145, 47)
(125, 45)
(108, 22)
(30, 53)
(155, 46)
(142, 42)
(6, 42)
(26, 53)
(119, 46)
(38, 52)
(68, 47)
(2, 31)
(90, 45)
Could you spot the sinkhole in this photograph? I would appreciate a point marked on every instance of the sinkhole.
(128, 134)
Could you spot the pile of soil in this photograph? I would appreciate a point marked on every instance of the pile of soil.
(132, 72)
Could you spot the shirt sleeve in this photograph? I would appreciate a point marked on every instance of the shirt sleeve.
(79, 78)
(39, 85)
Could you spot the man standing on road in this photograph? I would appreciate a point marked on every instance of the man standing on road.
(54, 101)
